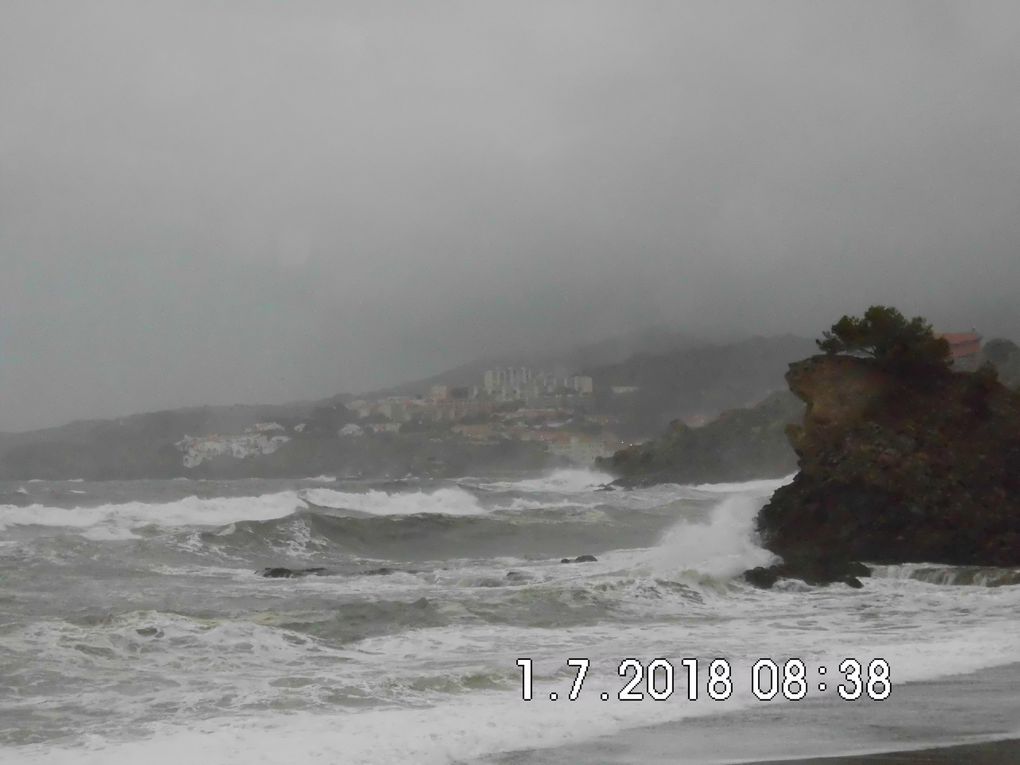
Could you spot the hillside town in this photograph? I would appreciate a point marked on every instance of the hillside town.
(555, 413)
(262, 438)
(564, 415)
(510, 403)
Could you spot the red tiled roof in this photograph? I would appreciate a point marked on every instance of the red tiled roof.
(959, 338)
(962, 344)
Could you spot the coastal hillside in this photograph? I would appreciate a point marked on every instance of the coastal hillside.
(696, 383)
(432, 428)
(739, 445)
(145, 445)
(245, 442)
(612, 350)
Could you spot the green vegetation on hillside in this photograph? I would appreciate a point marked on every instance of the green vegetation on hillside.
(883, 333)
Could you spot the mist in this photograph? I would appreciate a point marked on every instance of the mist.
(263, 202)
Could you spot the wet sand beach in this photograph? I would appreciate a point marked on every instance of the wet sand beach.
(990, 753)
(971, 719)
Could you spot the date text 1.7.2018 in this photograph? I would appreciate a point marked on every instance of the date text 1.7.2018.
(790, 679)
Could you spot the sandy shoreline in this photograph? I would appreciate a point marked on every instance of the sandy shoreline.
(989, 753)
(972, 719)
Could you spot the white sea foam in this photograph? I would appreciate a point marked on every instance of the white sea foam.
(565, 481)
(665, 600)
(478, 724)
(108, 533)
(761, 486)
(457, 732)
(722, 548)
(521, 504)
(116, 518)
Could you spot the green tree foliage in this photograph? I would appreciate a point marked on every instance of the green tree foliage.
(886, 335)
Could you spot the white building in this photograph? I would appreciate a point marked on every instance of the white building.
(623, 390)
(268, 427)
(201, 448)
(507, 383)
(583, 384)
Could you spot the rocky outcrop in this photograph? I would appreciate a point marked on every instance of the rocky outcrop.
(280, 572)
(812, 569)
(740, 445)
(918, 465)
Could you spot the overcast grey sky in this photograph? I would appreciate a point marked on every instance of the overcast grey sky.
(217, 202)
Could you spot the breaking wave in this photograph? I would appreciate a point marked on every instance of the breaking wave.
(445, 501)
(722, 548)
(566, 481)
(432, 536)
(398, 642)
(976, 576)
(115, 521)
(111, 519)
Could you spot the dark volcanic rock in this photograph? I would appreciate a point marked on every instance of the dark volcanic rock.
(813, 570)
(762, 577)
(386, 571)
(580, 559)
(897, 466)
(280, 572)
(289, 573)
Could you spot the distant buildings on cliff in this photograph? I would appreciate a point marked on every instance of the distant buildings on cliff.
(512, 403)
(550, 408)
(505, 385)
(525, 384)
(261, 438)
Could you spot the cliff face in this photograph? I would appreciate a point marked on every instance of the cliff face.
(898, 467)
(740, 445)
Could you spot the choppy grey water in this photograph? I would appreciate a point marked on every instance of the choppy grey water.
(134, 627)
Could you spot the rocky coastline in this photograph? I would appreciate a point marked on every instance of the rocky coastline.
(896, 465)
(739, 445)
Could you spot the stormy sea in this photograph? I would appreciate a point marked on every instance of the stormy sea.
(136, 626)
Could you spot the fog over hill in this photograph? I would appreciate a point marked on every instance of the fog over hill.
(682, 379)
(262, 201)
(583, 358)
(361, 361)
